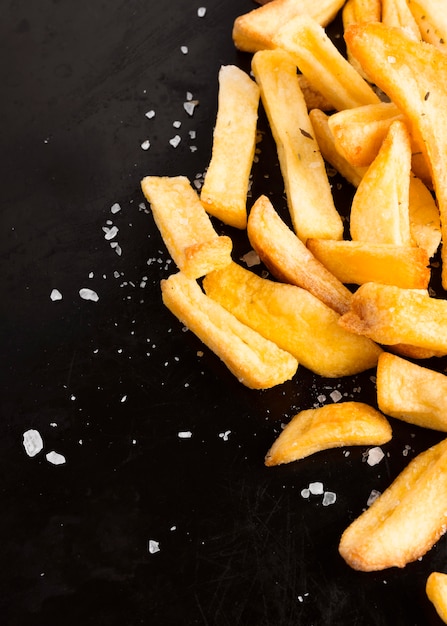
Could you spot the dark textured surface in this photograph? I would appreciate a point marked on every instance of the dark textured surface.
(111, 384)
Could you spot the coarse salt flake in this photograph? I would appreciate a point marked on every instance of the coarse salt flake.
(251, 258)
(110, 233)
(115, 208)
(184, 434)
(201, 11)
(88, 294)
(316, 488)
(146, 144)
(225, 435)
(184, 49)
(150, 114)
(372, 497)
(190, 106)
(55, 458)
(329, 498)
(32, 442)
(55, 295)
(153, 546)
(176, 124)
(375, 455)
(175, 141)
(335, 395)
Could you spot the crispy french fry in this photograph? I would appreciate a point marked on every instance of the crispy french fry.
(411, 393)
(405, 521)
(431, 17)
(254, 30)
(288, 259)
(436, 589)
(425, 223)
(329, 426)
(184, 225)
(359, 12)
(323, 65)
(380, 207)
(309, 195)
(294, 319)
(414, 75)
(358, 262)
(224, 191)
(397, 13)
(256, 362)
(391, 315)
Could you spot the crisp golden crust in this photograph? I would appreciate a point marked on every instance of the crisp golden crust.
(405, 521)
(257, 362)
(436, 589)
(330, 426)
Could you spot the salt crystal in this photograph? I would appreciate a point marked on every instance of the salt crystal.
(91, 275)
(184, 434)
(190, 106)
(335, 395)
(146, 144)
(201, 11)
(150, 114)
(110, 233)
(184, 49)
(372, 497)
(175, 141)
(88, 294)
(115, 208)
(55, 295)
(329, 498)
(176, 124)
(305, 493)
(375, 455)
(225, 435)
(153, 546)
(316, 488)
(55, 458)
(321, 398)
(32, 442)
(123, 399)
(251, 258)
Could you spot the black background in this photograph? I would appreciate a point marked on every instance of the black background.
(110, 384)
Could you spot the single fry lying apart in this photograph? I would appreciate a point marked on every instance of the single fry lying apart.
(288, 259)
(436, 589)
(309, 195)
(411, 393)
(255, 30)
(224, 191)
(330, 426)
(294, 319)
(391, 315)
(323, 65)
(257, 362)
(406, 520)
(184, 225)
(359, 262)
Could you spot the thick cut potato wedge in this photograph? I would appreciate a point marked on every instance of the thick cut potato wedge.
(405, 521)
(224, 191)
(431, 17)
(309, 195)
(380, 207)
(436, 589)
(288, 259)
(411, 393)
(414, 75)
(358, 262)
(330, 426)
(184, 225)
(294, 319)
(323, 65)
(256, 362)
(391, 315)
(397, 13)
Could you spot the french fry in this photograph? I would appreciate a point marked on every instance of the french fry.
(391, 315)
(256, 362)
(184, 225)
(329, 426)
(294, 319)
(309, 195)
(431, 18)
(224, 191)
(359, 262)
(414, 75)
(397, 13)
(379, 210)
(359, 12)
(436, 589)
(255, 30)
(288, 259)
(405, 521)
(411, 393)
(323, 65)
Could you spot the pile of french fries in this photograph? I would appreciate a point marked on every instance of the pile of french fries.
(336, 305)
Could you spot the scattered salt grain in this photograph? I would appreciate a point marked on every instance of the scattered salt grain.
(176, 124)
(316, 488)
(190, 106)
(146, 144)
(305, 493)
(372, 497)
(150, 114)
(321, 398)
(375, 455)
(225, 435)
(201, 11)
(115, 208)
(153, 546)
(110, 233)
(184, 434)
(329, 498)
(55, 458)
(55, 295)
(91, 275)
(184, 49)
(88, 294)
(123, 399)
(335, 395)
(32, 442)
(175, 141)
(251, 258)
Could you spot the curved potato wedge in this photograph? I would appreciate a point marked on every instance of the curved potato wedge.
(329, 426)
(405, 521)
(436, 589)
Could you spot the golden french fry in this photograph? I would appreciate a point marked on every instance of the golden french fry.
(309, 195)
(380, 207)
(411, 393)
(288, 259)
(436, 589)
(358, 12)
(431, 18)
(255, 30)
(323, 65)
(391, 315)
(184, 225)
(405, 521)
(329, 426)
(425, 224)
(294, 319)
(224, 191)
(414, 75)
(397, 13)
(358, 262)
(256, 362)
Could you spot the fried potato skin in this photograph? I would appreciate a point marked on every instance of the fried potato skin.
(405, 521)
(329, 426)
(436, 590)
